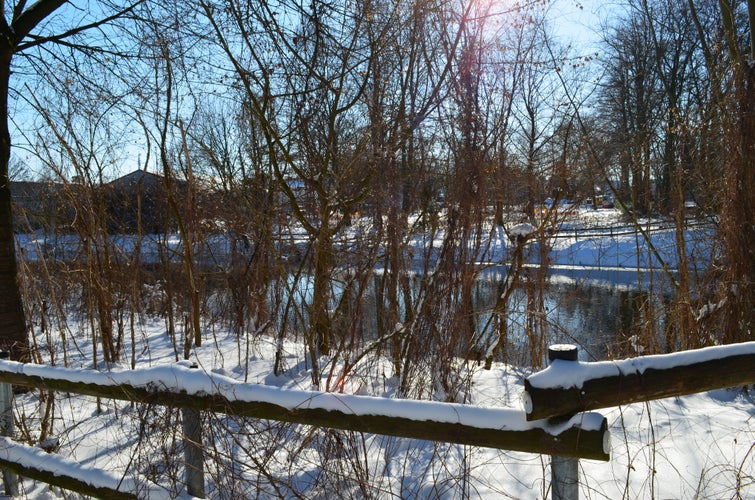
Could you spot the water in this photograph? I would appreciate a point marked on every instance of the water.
(600, 320)
(603, 321)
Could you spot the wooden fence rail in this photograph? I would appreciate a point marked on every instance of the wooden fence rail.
(569, 387)
(557, 394)
(584, 436)
(500, 428)
(35, 463)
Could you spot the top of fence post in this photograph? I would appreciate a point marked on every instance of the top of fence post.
(566, 352)
(563, 352)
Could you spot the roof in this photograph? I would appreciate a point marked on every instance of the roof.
(136, 177)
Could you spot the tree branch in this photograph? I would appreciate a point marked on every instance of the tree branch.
(30, 18)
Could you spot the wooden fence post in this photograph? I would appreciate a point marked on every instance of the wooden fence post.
(10, 479)
(564, 470)
(194, 461)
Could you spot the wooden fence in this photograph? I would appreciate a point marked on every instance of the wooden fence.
(585, 436)
(566, 388)
(551, 423)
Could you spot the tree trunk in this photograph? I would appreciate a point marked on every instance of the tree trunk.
(323, 267)
(12, 322)
(739, 216)
(739, 208)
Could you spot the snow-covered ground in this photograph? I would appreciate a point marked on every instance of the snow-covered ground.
(699, 446)
(585, 245)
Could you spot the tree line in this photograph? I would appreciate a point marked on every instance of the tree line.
(446, 118)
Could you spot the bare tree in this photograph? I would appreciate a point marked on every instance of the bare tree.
(632, 93)
(739, 207)
(303, 81)
(20, 38)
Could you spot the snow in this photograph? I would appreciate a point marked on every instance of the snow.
(590, 246)
(683, 447)
(523, 230)
(61, 466)
(573, 374)
(181, 378)
(695, 446)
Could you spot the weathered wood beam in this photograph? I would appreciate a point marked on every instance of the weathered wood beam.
(568, 387)
(583, 436)
(53, 469)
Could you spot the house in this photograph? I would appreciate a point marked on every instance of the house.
(40, 204)
(133, 201)
(139, 200)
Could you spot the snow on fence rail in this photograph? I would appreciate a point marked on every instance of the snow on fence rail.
(567, 387)
(557, 393)
(181, 385)
(36, 463)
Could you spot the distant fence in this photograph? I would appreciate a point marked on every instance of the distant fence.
(219, 246)
(613, 231)
(551, 423)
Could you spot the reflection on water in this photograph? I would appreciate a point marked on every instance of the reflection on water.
(600, 320)
(603, 321)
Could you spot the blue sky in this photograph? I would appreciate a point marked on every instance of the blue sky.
(579, 22)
